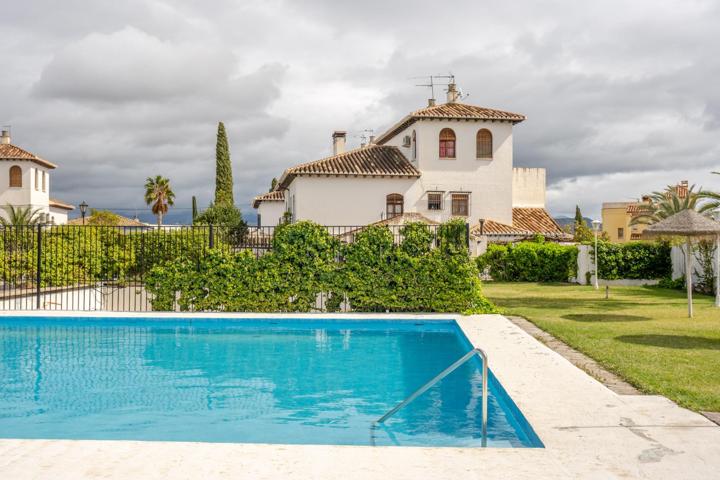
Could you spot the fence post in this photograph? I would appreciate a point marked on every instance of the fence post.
(38, 270)
(467, 236)
(211, 240)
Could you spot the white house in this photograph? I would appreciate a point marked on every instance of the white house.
(25, 183)
(442, 161)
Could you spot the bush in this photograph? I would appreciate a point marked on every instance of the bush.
(529, 262)
(373, 273)
(233, 228)
(633, 260)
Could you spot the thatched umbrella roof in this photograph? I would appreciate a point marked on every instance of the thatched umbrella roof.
(687, 223)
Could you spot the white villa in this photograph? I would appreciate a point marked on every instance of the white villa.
(439, 162)
(25, 182)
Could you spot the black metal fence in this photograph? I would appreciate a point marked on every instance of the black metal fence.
(72, 267)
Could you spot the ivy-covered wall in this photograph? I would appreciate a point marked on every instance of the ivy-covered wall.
(633, 260)
(371, 274)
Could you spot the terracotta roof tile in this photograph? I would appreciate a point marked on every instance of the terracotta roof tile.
(457, 111)
(526, 221)
(373, 160)
(58, 204)
(462, 111)
(11, 152)
(638, 208)
(274, 196)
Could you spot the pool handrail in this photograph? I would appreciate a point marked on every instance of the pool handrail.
(440, 376)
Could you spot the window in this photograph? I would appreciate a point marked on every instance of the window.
(44, 181)
(460, 204)
(15, 176)
(37, 179)
(447, 143)
(414, 146)
(394, 205)
(484, 144)
(435, 201)
(621, 233)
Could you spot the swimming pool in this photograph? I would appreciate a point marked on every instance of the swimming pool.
(292, 381)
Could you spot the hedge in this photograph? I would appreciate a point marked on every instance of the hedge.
(373, 274)
(529, 262)
(633, 260)
(74, 255)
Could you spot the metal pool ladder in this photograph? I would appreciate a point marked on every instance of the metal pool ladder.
(440, 376)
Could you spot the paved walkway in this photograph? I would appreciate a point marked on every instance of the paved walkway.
(580, 360)
(588, 430)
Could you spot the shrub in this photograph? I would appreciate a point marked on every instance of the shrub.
(373, 273)
(633, 260)
(233, 228)
(529, 262)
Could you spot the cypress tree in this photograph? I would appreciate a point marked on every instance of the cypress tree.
(578, 216)
(194, 208)
(223, 170)
(273, 184)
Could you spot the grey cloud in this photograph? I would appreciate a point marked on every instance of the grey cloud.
(132, 65)
(116, 91)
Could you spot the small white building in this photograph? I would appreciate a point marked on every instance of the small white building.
(25, 183)
(270, 208)
(442, 161)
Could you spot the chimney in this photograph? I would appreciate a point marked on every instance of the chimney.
(372, 140)
(452, 94)
(338, 142)
(5, 137)
(431, 102)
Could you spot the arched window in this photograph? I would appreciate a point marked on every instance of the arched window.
(393, 205)
(414, 146)
(484, 144)
(447, 143)
(15, 176)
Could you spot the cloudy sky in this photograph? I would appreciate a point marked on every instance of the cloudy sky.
(621, 97)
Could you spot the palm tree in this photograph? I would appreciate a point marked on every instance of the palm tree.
(21, 217)
(713, 198)
(669, 202)
(160, 195)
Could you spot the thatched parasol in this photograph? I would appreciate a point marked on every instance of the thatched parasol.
(689, 224)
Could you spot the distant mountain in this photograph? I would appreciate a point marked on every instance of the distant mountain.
(173, 217)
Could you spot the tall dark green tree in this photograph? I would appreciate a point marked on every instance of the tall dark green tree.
(578, 216)
(223, 170)
(194, 208)
(273, 184)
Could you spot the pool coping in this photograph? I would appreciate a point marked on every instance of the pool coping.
(588, 430)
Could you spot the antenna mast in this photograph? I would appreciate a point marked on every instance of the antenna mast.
(450, 78)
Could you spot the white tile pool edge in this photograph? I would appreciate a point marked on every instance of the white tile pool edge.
(588, 431)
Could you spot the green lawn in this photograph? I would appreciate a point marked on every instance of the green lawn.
(641, 333)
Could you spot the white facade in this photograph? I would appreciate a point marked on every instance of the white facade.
(488, 181)
(270, 213)
(344, 200)
(31, 193)
(336, 195)
(33, 188)
(528, 187)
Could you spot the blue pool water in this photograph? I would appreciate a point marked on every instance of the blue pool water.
(256, 381)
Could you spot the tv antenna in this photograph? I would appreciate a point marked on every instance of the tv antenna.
(432, 82)
(364, 135)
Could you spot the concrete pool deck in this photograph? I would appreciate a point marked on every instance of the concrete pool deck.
(588, 432)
